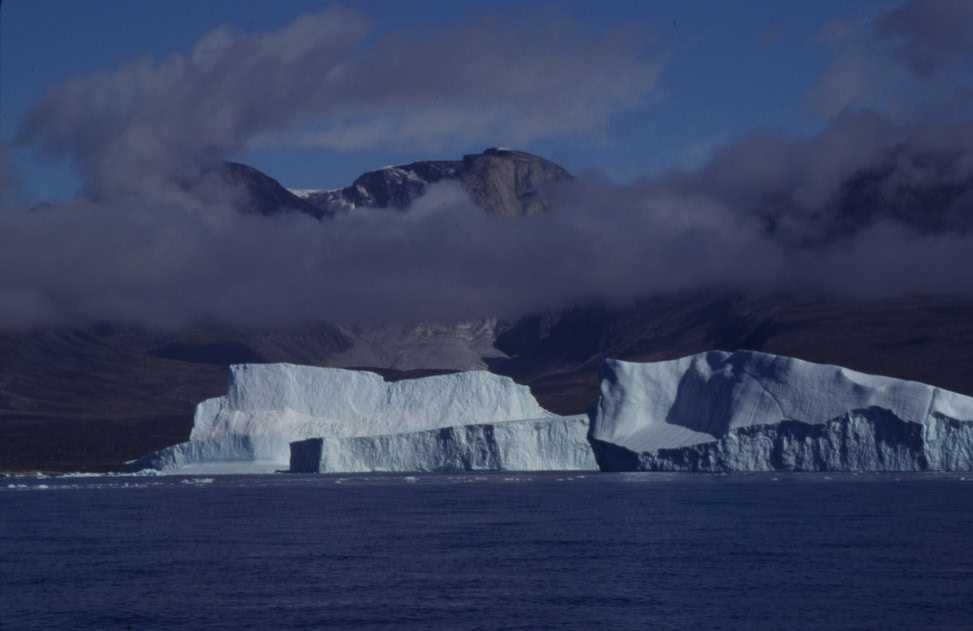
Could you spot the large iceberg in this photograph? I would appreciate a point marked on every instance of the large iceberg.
(715, 411)
(267, 406)
(721, 411)
(547, 444)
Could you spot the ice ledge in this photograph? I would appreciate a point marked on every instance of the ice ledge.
(546, 444)
(872, 439)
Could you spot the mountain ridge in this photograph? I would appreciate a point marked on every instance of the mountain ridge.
(95, 395)
(500, 181)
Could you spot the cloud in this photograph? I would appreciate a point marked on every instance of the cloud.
(11, 186)
(869, 207)
(493, 80)
(5, 179)
(872, 205)
(444, 259)
(326, 80)
(929, 36)
(862, 167)
(903, 58)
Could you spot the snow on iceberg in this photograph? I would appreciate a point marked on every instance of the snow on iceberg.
(546, 444)
(720, 411)
(267, 406)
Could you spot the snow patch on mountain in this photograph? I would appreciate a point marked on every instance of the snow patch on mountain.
(305, 193)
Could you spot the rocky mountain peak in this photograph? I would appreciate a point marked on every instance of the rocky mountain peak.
(501, 181)
(507, 182)
(262, 194)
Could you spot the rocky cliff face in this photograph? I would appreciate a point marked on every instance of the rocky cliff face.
(509, 182)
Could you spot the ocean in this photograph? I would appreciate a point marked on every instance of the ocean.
(491, 551)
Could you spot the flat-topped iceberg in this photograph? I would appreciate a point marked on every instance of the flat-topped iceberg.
(547, 444)
(720, 411)
(267, 406)
(715, 411)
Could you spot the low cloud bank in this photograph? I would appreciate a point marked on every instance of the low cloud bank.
(327, 80)
(766, 214)
(874, 205)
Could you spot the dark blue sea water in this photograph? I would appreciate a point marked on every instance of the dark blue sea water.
(601, 551)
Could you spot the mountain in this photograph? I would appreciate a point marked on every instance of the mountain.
(921, 338)
(98, 395)
(263, 194)
(501, 181)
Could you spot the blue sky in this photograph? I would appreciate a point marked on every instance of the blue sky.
(731, 67)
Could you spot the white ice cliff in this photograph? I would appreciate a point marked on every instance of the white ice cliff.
(547, 444)
(715, 411)
(720, 411)
(267, 406)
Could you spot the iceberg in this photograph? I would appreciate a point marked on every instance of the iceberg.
(268, 406)
(547, 444)
(750, 411)
(714, 411)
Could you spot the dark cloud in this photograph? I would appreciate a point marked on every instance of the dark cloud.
(6, 175)
(872, 205)
(770, 213)
(929, 35)
(324, 80)
(444, 258)
(862, 166)
(905, 58)
(11, 188)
